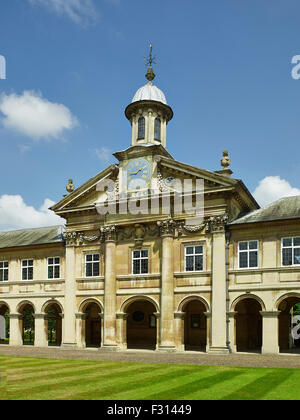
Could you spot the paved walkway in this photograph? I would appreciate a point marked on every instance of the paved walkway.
(139, 356)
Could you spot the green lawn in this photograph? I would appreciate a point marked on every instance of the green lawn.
(39, 379)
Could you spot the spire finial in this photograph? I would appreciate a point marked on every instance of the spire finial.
(149, 61)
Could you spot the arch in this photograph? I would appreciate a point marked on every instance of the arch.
(247, 296)
(24, 303)
(157, 129)
(187, 299)
(141, 325)
(52, 302)
(85, 303)
(4, 323)
(2, 303)
(141, 128)
(284, 297)
(249, 325)
(133, 299)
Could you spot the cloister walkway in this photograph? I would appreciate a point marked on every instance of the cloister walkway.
(140, 356)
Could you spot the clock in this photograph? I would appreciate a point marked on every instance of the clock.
(138, 174)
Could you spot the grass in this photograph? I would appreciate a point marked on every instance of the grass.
(50, 379)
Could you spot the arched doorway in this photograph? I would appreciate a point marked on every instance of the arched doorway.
(141, 325)
(4, 324)
(54, 321)
(92, 313)
(248, 325)
(289, 318)
(27, 317)
(195, 325)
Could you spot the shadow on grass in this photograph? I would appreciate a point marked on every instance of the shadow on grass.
(185, 391)
(259, 388)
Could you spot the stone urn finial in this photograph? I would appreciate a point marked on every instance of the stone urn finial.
(70, 187)
(225, 162)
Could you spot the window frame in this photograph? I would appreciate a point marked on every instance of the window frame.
(27, 267)
(92, 262)
(157, 119)
(140, 119)
(194, 255)
(3, 270)
(54, 265)
(292, 247)
(248, 250)
(140, 259)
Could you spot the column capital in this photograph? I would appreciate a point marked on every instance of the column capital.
(207, 314)
(232, 314)
(122, 315)
(167, 228)
(108, 233)
(15, 316)
(270, 314)
(179, 315)
(80, 315)
(40, 316)
(217, 223)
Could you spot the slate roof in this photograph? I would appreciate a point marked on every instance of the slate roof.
(26, 237)
(283, 209)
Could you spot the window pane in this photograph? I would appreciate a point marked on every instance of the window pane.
(24, 263)
(1, 264)
(243, 260)
(198, 249)
(30, 262)
(189, 263)
(24, 273)
(30, 273)
(157, 129)
(50, 272)
(145, 254)
(287, 256)
(50, 261)
(136, 254)
(189, 250)
(5, 275)
(57, 272)
(253, 259)
(89, 270)
(297, 256)
(287, 242)
(89, 258)
(144, 266)
(141, 128)
(136, 267)
(6, 264)
(57, 260)
(96, 269)
(1, 275)
(199, 263)
(243, 246)
(96, 257)
(296, 241)
(253, 245)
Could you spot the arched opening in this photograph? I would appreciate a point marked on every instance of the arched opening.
(248, 326)
(195, 326)
(4, 324)
(141, 128)
(289, 328)
(54, 321)
(92, 325)
(27, 317)
(141, 325)
(157, 129)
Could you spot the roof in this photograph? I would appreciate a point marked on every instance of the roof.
(283, 209)
(149, 92)
(26, 237)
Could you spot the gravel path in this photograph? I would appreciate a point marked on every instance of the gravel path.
(139, 356)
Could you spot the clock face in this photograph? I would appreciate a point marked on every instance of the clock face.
(138, 174)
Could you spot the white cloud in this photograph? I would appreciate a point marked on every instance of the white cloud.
(273, 188)
(16, 214)
(34, 116)
(82, 12)
(103, 154)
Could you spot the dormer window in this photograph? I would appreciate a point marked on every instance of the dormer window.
(141, 129)
(157, 129)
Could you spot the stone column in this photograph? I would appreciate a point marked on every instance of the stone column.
(15, 330)
(179, 330)
(40, 333)
(80, 330)
(208, 329)
(121, 330)
(69, 330)
(167, 231)
(270, 332)
(219, 312)
(232, 331)
(110, 289)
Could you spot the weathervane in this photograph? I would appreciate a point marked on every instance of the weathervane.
(149, 61)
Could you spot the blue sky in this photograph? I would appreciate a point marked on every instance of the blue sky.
(224, 66)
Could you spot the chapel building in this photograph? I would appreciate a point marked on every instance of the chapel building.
(134, 280)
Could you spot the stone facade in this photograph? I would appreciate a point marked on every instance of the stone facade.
(217, 306)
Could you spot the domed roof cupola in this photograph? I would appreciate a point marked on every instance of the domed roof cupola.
(149, 112)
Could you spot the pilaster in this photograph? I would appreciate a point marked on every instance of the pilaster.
(40, 331)
(270, 332)
(15, 330)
